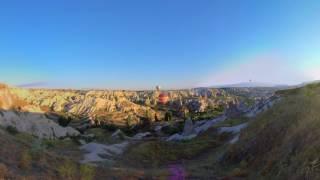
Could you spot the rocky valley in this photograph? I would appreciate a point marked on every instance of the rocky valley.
(102, 130)
(81, 110)
(159, 90)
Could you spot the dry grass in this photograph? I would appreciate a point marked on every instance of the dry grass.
(4, 172)
(283, 143)
(25, 161)
(153, 154)
(21, 158)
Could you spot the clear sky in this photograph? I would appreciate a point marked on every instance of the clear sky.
(137, 44)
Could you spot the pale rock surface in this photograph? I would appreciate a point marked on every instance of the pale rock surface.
(96, 153)
(119, 135)
(187, 134)
(203, 126)
(188, 128)
(233, 129)
(140, 136)
(179, 137)
(35, 124)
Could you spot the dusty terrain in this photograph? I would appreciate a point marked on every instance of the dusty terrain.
(198, 134)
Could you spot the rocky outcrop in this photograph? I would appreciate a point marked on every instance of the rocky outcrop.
(197, 105)
(97, 153)
(17, 113)
(262, 106)
(114, 107)
(35, 124)
(141, 136)
(233, 129)
(188, 128)
(208, 124)
(180, 137)
(187, 134)
(119, 135)
(6, 100)
(124, 108)
(193, 130)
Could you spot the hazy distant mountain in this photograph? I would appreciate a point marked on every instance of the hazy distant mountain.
(250, 84)
(309, 82)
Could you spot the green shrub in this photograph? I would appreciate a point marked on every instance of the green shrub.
(87, 172)
(68, 170)
(173, 129)
(12, 130)
(168, 116)
(158, 153)
(232, 122)
(64, 121)
(145, 122)
(48, 144)
(220, 108)
(37, 149)
(240, 173)
(25, 137)
(110, 127)
(25, 160)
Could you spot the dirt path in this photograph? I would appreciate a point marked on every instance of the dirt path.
(177, 172)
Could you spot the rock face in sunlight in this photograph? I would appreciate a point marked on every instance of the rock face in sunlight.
(116, 107)
(28, 118)
(5, 97)
(38, 111)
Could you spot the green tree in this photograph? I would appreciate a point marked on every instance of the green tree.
(168, 116)
(147, 120)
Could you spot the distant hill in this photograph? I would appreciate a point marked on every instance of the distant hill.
(250, 84)
(307, 83)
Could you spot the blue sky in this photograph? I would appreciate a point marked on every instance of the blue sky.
(124, 44)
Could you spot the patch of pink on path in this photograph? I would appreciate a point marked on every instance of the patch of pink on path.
(177, 172)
